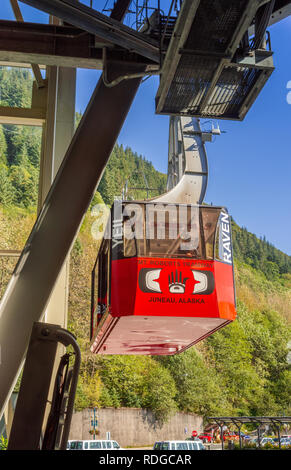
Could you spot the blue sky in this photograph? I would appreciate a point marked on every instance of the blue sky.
(249, 165)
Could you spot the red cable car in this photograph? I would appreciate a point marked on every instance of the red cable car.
(163, 279)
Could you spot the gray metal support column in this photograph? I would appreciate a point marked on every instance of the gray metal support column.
(259, 436)
(46, 175)
(187, 164)
(222, 436)
(50, 240)
(279, 435)
(39, 363)
(58, 131)
(33, 394)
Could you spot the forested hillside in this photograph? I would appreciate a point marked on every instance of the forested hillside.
(241, 369)
(259, 253)
(19, 145)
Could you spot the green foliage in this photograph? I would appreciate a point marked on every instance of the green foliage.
(15, 87)
(3, 148)
(24, 183)
(250, 356)
(19, 145)
(97, 199)
(7, 191)
(77, 249)
(24, 145)
(259, 253)
(137, 382)
(125, 166)
(159, 391)
(241, 369)
(78, 117)
(3, 443)
(88, 391)
(198, 387)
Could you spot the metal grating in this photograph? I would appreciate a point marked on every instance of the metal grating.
(214, 24)
(231, 90)
(188, 88)
(230, 93)
(209, 80)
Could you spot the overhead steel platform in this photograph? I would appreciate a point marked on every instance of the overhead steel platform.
(212, 69)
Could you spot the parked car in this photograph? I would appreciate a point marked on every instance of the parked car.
(286, 441)
(100, 444)
(205, 437)
(179, 445)
(264, 441)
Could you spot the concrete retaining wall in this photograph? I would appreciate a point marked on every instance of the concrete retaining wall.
(133, 426)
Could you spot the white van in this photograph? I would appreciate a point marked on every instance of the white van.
(179, 445)
(100, 444)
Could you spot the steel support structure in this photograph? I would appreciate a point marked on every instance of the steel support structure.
(108, 28)
(33, 116)
(35, 276)
(36, 116)
(260, 421)
(43, 256)
(172, 58)
(61, 137)
(57, 134)
(187, 161)
(31, 405)
(35, 67)
(60, 218)
(197, 80)
(55, 102)
(59, 45)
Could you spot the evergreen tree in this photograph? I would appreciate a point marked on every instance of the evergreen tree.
(24, 184)
(3, 147)
(6, 189)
